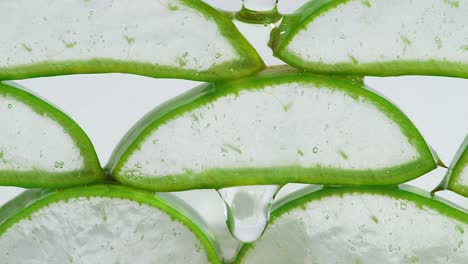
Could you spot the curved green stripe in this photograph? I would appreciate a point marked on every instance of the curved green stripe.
(31, 201)
(218, 178)
(91, 171)
(382, 69)
(413, 194)
(249, 61)
(228, 70)
(221, 178)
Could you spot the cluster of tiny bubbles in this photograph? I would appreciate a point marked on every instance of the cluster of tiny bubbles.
(175, 233)
(59, 164)
(197, 247)
(460, 244)
(132, 174)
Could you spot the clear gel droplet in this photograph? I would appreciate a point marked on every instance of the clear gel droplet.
(248, 209)
(260, 5)
(259, 12)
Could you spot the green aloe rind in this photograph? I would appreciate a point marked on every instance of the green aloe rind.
(185, 39)
(105, 223)
(40, 146)
(456, 178)
(375, 37)
(224, 134)
(361, 225)
(258, 17)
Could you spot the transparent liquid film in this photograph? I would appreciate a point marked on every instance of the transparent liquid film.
(247, 209)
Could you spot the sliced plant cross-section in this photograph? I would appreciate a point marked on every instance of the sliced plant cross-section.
(457, 175)
(376, 37)
(277, 127)
(367, 225)
(158, 38)
(99, 224)
(40, 146)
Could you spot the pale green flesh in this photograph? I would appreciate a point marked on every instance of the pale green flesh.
(457, 175)
(100, 224)
(275, 128)
(366, 225)
(165, 38)
(41, 146)
(376, 37)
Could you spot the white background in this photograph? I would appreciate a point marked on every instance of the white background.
(107, 105)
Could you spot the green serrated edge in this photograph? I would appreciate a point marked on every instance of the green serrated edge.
(220, 178)
(248, 63)
(292, 24)
(421, 198)
(31, 201)
(91, 172)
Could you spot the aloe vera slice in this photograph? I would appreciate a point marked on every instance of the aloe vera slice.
(278, 127)
(164, 38)
(366, 225)
(376, 37)
(100, 224)
(40, 146)
(457, 175)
